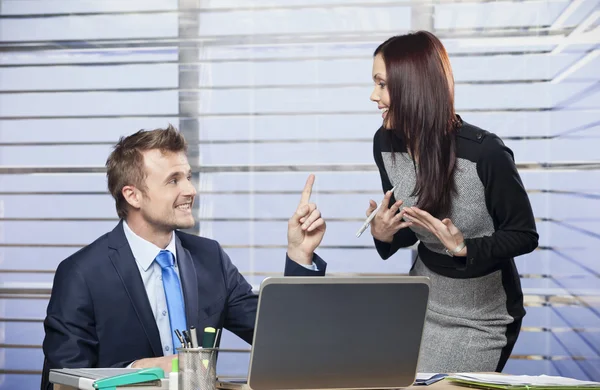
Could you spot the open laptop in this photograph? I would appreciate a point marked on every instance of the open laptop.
(336, 333)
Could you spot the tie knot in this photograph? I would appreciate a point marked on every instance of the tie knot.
(165, 259)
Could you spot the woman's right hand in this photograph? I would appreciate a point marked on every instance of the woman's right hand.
(387, 221)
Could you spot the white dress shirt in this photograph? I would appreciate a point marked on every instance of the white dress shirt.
(145, 252)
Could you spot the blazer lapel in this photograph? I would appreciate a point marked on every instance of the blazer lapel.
(189, 283)
(122, 258)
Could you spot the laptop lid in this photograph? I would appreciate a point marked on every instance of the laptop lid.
(334, 333)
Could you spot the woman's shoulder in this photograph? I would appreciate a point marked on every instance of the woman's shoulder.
(470, 132)
(475, 143)
(380, 140)
(378, 134)
(385, 140)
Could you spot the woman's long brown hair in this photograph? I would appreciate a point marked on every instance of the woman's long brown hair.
(421, 113)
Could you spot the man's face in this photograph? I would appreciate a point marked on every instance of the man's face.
(169, 196)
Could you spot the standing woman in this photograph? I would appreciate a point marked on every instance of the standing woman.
(459, 193)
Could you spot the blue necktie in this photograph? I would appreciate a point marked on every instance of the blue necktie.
(173, 294)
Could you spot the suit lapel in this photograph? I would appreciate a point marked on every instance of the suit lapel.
(189, 283)
(122, 258)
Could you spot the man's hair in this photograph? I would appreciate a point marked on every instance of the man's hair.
(125, 165)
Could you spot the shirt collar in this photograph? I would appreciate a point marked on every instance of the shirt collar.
(144, 251)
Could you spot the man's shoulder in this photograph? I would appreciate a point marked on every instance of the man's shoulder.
(87, 256)
(96, 253)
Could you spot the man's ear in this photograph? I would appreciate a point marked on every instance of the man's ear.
(133, 196)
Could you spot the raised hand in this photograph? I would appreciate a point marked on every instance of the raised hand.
(306, 227)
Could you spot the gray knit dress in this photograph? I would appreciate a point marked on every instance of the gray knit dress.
(476, 302)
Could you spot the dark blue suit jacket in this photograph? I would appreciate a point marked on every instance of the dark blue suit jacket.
(99, 314)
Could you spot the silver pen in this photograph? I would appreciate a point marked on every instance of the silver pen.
(194, 337)
(370, 218)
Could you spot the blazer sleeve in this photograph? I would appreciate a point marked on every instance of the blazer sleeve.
(404, 237)
(508, 204)
(294, 269)
(70, 330)
(243, 302)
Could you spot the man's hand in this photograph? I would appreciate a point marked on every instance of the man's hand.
(163, 362)
(306, 228)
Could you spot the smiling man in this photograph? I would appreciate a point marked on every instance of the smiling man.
(118, 301)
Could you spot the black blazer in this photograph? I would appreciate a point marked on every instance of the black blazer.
(99, 314)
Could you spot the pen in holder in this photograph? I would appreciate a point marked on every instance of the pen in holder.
(197, 368)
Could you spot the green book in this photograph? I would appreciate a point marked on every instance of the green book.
(146, 375)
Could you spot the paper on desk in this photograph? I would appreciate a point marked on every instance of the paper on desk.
(522, 381)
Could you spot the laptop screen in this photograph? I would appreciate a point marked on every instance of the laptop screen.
(338, 333)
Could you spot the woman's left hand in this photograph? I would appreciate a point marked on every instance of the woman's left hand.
(444, 230)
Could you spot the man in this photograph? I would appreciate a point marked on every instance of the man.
(118, 301)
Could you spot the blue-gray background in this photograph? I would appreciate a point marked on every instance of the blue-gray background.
(270, 90)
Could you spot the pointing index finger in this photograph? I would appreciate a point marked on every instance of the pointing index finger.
(307, 191)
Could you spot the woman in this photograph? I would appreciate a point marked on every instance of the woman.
(459, 193)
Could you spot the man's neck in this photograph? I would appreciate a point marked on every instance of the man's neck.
(139, 226)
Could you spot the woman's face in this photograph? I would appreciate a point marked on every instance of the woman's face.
(380, 93)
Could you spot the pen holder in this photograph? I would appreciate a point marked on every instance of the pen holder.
(197, 368)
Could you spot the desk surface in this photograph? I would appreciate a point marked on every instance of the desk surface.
(441, 385)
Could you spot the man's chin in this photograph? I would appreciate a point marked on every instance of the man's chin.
(186, 223)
